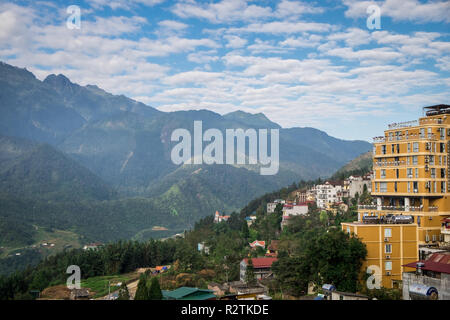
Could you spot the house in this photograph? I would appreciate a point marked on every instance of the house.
(250, 220)
(355, 184)
(272, 205)
(240, 288)
(430, 280)
(188, 293)
(272, 248)
(295, 209)
(330, 293)
(219, 218)
(329, 192)
(92, 246)
(202, 247)
(261, 267)
(257, 243)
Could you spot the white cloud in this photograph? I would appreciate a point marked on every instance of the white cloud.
(235, 41)
(222, 11)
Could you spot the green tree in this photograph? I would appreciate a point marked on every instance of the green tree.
(123, 292)
(142, 291)
(244, 230)
(250, 278)
(154, 290)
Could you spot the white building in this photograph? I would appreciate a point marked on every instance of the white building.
(272, 205)
(355, 184)
(295, 209)
(328, 193)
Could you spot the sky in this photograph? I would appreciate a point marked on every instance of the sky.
(323, 64)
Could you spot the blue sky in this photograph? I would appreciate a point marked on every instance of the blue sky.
(302, 63)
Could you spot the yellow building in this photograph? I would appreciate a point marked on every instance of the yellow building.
(389, 246)
(411, 165)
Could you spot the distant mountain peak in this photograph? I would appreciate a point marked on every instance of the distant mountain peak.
(251, 119)
(60, 80)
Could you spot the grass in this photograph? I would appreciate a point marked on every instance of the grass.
(99, 285)
(61, 240)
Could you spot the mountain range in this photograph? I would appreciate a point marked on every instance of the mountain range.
(99, 164)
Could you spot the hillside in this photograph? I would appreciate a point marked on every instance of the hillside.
(79, 158)
(39, 171)
(358, 166)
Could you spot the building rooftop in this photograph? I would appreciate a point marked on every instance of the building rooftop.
(188, 293)
(437, 262)
(261, 262)
(437, 109)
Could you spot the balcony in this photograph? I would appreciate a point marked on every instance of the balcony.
(407, 124)
(397, 208)
(390, 163)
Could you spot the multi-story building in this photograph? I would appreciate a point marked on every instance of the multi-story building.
(390, 243)
(355, 184)
(328, 193)
(411, 165)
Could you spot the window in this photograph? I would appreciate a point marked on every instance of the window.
(383, 186)
(409, 173)
(409, 186)
(433, 173)
(388, 265)
(383, 173)
(432, 160)
(415, 147)
(442, 186)
(348, 230)
(392, 148)
(442, 173)
(397, 173)
(388, 248)
(416, 186)
(417, 172)
(409, 147)
(442, 133)
(415, 160)
(395, 186)
(387, 232)
(391, 136)
(422, 132)
(442, 147)
(383, 149)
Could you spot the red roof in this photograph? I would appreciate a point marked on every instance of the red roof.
(261, 262)
(437, 262)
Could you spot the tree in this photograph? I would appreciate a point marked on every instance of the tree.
(244, 230)
(123, 292)
(142, 291)
(250, 273)
(335, 257)
(154, 291)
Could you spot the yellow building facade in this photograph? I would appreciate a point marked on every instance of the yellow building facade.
(411, 165)
(389, 246)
